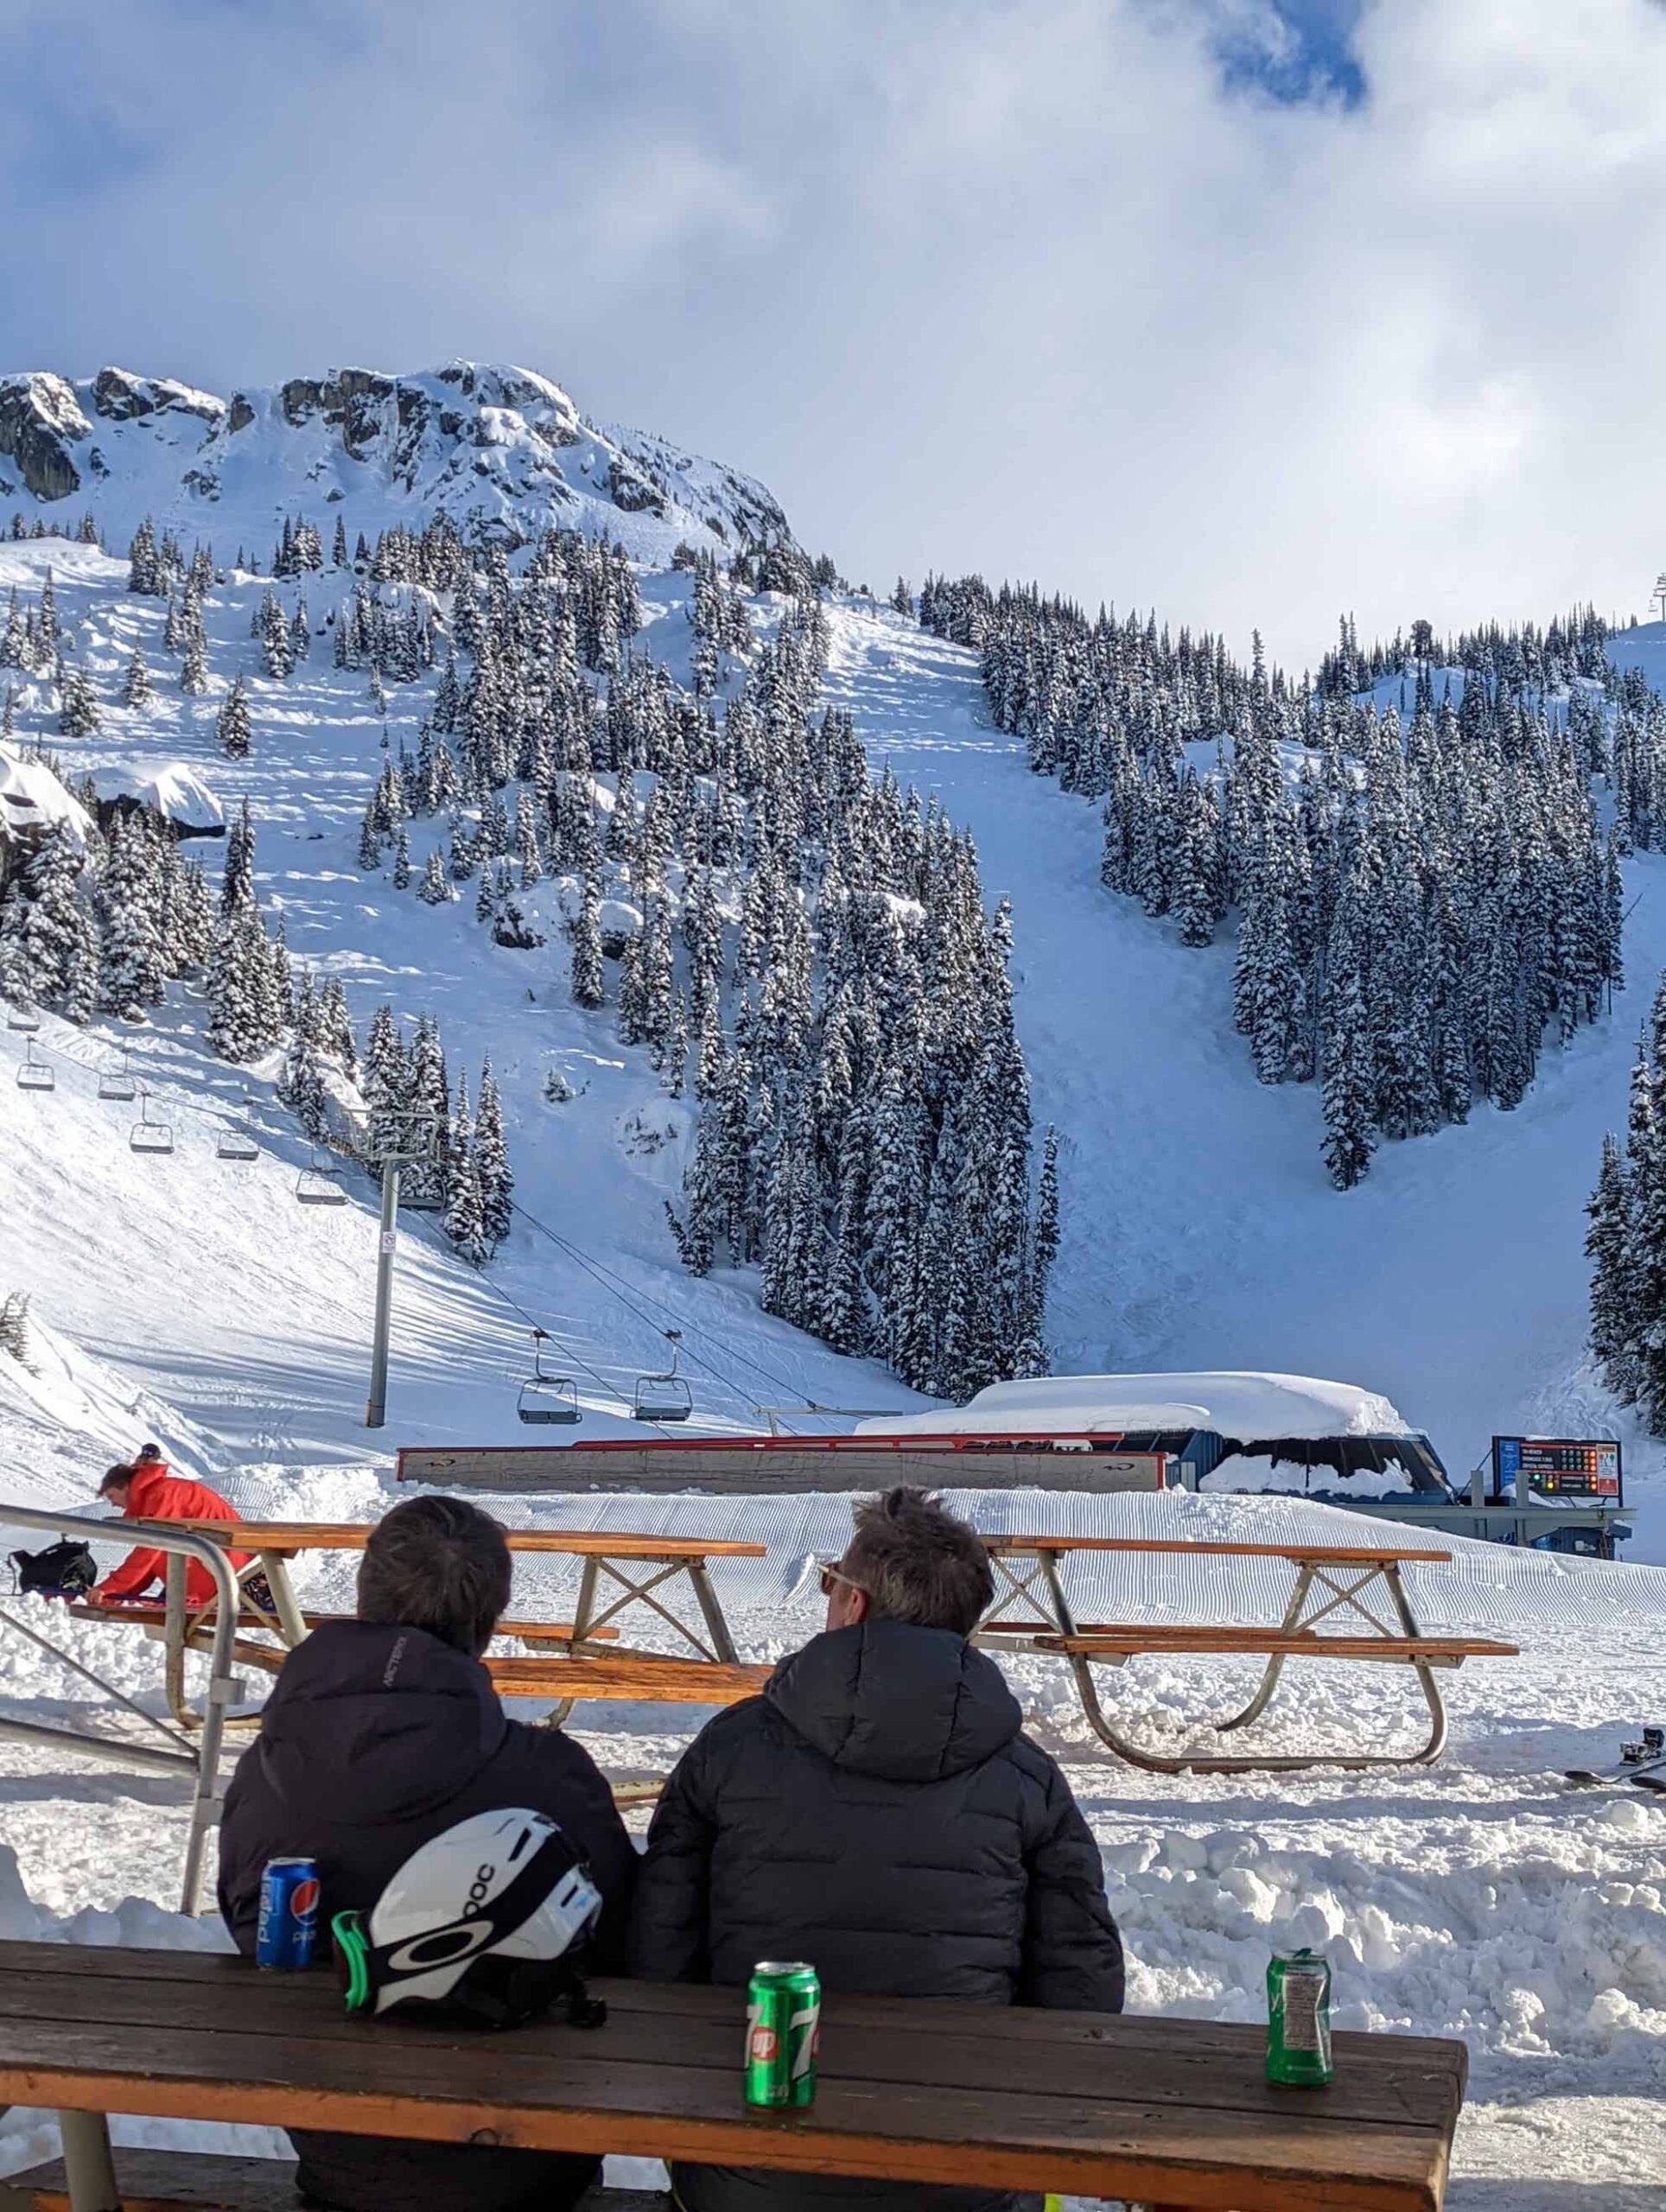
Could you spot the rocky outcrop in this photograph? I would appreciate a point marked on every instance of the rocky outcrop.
(39, 419)
(501, 449)
(631, 492)
(120, 396)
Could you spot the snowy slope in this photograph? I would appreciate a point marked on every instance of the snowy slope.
(1198, 1229)
(195, 1301)
(502, 450)
(204, 1283)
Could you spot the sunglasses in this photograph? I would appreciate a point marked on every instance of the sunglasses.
(832, 1576)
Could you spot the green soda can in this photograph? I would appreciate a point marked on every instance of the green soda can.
(783, 2016)
(1298, 2020)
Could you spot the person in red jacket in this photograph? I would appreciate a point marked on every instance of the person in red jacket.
(147, 1491)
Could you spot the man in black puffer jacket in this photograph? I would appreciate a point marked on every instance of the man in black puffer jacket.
(379, 1734)
(879, 1812)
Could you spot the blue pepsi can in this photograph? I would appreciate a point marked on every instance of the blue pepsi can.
(289, 1914)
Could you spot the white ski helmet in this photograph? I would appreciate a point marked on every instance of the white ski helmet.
(485, 1920)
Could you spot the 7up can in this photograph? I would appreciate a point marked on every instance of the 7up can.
(1298, 2020)
(783, 2013)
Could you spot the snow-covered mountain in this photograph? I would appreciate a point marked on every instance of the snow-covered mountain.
(1197, 1229)
(501, 450)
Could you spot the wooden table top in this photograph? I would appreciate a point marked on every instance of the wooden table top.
(1171, 2110)
(287, 1536)
(1319, 1555)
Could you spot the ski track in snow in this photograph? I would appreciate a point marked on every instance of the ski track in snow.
(1199, 1228)
(194, 1300)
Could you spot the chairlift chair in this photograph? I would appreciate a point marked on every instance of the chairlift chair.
(236, 1142)
(320, 1181)
(118, 1085)
(147, 1135)
(544, 1397)
(23, 1019)
(663, 1398)
(36, 1075)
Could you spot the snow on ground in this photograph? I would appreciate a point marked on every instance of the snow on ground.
(1484, 1898)
(192, 1299)
(1199, 1228)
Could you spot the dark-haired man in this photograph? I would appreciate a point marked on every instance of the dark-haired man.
(879, 1812)
(380, 1733)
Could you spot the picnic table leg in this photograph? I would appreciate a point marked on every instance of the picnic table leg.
(584, 1612)
(290, 1619)
(172, 1635)
(1062, 1612)
(723, 1643)
(88, 2166)
(1088, 1690)
(1269, 1681)
(1431, 1687)
(1282, 1762)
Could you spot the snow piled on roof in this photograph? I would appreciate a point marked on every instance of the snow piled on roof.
(32, 798)
(1245, 1406)
(171, 787)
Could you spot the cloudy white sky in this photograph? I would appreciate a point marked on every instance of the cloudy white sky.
(1251, 309)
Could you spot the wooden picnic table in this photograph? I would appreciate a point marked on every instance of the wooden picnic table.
(1360, 1586)
(1174, 2112)
(619, 1571)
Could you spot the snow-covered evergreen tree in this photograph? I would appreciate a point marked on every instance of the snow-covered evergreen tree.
(79, 715)
(301, 1086)
(233, 725)
(1608, 1248)
(492, 1162)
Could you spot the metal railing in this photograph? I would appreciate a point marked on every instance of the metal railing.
(200, 1759)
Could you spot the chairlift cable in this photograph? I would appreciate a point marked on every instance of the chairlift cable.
(553, 1336)
(604, 1275)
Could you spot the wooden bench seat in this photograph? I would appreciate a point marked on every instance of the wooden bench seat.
(202, 2180)
(641, 1675)
(156, 1616)
(1171, 2112)
(1100, 1640)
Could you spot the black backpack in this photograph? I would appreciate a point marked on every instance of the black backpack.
(64, 1569)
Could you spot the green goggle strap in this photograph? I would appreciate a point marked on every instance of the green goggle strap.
(353, 1949)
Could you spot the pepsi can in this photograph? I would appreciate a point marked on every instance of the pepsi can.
(289, 1914)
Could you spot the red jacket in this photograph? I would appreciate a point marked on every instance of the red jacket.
(155, 1495)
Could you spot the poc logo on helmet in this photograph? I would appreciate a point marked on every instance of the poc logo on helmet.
(444, 1947)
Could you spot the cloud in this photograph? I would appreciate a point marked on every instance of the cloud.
(1045, 287)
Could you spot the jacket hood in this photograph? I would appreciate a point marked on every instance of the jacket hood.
(149, 1480)
(901, 1703)
(388, 1720)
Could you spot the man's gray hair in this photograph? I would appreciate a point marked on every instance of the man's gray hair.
(919, 1562)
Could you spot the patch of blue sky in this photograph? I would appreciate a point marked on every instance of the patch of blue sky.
(1296, 53)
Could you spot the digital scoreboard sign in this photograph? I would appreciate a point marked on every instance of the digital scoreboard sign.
(1543, 1466)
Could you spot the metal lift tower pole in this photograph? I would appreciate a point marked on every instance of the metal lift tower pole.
(376, 1412)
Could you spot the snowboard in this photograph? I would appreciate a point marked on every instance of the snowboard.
(1642, 1764)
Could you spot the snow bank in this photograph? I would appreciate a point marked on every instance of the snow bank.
(33, 799)
(1529, 1953)
(172, 789)
(1246, 1405)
